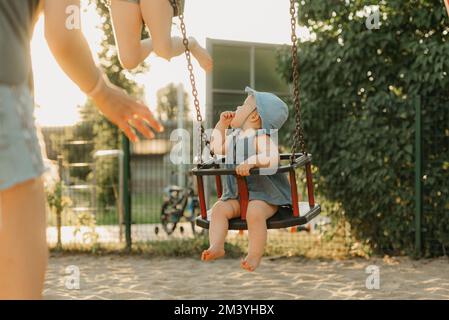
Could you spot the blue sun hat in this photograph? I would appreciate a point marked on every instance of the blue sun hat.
(272, 110)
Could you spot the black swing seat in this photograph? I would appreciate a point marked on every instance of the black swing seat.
(283, 218)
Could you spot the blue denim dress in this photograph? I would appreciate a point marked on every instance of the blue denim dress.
(20, 151)
(271, 188)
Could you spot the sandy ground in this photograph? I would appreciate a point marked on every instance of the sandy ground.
(114, 277)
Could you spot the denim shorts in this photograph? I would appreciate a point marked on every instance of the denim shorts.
(20, 150)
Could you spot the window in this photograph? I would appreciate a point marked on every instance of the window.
(241, 64)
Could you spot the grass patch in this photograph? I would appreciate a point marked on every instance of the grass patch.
(146, 209)
(333, 241)
(185, 248)
(278, 245)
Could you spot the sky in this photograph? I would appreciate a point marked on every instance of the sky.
(58, 98)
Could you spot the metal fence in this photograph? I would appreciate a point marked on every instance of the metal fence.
(433, 180)
(74, 165)
(151, 170)
(93, 186)
(89, 218)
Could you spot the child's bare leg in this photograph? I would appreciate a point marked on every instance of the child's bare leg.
(222, 212)
(23, 247)
(127, 23)
(258, 213)
(158, 16)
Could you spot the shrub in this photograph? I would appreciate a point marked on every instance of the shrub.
(358, 91)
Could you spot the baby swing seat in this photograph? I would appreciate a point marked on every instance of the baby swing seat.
(299, 213)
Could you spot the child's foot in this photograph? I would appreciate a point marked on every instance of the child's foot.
(250, 263)
(201, 54)
(212, 254)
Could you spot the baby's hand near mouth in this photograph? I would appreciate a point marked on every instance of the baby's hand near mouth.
(226, 118)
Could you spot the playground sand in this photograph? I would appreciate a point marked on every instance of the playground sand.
(115, 277)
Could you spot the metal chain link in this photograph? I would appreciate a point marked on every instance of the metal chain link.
(299, 133)
(199, 118)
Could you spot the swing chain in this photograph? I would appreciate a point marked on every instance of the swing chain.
(299, 133)
(196, 101)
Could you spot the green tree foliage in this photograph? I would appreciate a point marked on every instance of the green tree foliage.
(167, 103)
(358, 89)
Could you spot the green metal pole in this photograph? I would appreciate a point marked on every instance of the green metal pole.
(126, 190)
(418, 178)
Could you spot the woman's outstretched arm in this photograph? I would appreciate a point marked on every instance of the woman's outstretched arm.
(72, 52)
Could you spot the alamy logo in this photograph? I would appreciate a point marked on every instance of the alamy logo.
(73, 21)
(373, 20)
(181, 149)
(373, 280)
(72, 278)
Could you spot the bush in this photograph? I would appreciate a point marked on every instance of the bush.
(358, 91)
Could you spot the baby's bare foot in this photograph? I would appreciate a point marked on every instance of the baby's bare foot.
(250, 263)
(202, 55)
(212, 254)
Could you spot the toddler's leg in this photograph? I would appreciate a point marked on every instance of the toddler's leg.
(222, 212)
(127, 24)
(256, 217)
(158, 16)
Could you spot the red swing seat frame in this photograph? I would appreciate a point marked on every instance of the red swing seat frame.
(287, 216)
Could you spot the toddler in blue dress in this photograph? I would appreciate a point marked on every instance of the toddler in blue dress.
(249, 144)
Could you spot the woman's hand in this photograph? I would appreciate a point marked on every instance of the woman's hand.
(125, 112)
(226, 118)
(244, 168)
